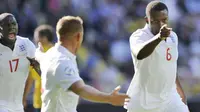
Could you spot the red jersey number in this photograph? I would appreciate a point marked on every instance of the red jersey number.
(168, 55)
(13, 65)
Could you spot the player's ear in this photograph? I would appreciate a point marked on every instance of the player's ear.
(146, 19)
(78, 37)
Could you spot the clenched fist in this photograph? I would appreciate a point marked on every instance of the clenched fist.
(164, 32)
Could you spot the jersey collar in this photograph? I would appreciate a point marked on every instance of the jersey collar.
(16, 42)
(65, 51)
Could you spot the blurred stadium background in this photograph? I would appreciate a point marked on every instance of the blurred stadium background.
(104, 60)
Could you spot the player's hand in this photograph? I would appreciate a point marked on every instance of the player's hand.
(35, 64)
(116, 98)
(164, 32)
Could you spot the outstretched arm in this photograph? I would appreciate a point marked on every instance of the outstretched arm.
(148, 47)
(92, 94)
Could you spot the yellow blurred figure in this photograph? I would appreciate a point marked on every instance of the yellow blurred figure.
(37, 89)
(43, 35)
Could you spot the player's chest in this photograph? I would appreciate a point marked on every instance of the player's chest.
(167, 51)
(13, 62)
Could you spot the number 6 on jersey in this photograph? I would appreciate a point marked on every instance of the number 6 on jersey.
(168, 55)
(13, 64)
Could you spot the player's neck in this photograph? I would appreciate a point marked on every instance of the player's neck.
(69, 46)
(11, 46)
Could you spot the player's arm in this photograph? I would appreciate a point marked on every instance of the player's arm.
(180, 90)
(27, 88)
(35, 64)
(89, 93)
(69, 79)
(148, 47)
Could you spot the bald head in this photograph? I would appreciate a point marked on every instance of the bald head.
(68, 26)
(155, 6)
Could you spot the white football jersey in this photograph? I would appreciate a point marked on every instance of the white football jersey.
(59, 72)
(153, 83)
(14, 69)
(39, 55)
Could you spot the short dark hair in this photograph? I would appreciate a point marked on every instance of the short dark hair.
(155, 6)
(69, 25)
(45, 30)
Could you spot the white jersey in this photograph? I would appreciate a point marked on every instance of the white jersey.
(59, 72)
(14, 69)
(153, 83)
(39, 55)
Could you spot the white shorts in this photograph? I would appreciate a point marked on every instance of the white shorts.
(175, 105)
(181, 108)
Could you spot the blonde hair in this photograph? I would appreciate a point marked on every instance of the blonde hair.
(67, 26)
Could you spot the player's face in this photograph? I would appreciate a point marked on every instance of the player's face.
(42, 39)
(9, 29)
(157, 20)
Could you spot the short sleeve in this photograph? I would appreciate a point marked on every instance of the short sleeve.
(66, 75)
(174, 37)
(31, 49)
(137, 42)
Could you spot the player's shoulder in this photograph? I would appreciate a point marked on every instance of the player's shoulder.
(53, 54)
(173, 34)
(66, 61)
(25, 40)
(139, 34)
(66, 65)
(20, 38)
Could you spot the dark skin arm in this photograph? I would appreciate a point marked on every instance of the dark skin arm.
(148, 48)
(150, 45)
(180, 90)
(35, 64)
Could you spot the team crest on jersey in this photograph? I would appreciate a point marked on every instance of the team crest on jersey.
(22, 48)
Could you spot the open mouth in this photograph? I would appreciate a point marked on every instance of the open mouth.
(12, 36)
